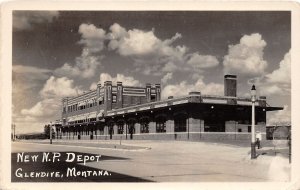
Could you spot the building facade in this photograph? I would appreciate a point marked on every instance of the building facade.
(126, 112)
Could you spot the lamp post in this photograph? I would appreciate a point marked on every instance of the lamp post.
(50, 132)
(253, 99)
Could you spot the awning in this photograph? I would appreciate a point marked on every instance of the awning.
(92, 115)
(81, 117)
(90, 101)
(100, 114)
(81, 104)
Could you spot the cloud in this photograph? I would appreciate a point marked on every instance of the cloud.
(126, 80)
(150, 55)
(86, 65)
(282, 117)
(154, 56)
(26, 81)
(93, 86)
(183, 88)
(44, 108)
(283, 73)
(29, 69)
(246, 58)
(24, 20)
(277, 82)
(167, 77)
(202, 61)
(92, 37)
(59, 87)
(138, 43)
(52, 92)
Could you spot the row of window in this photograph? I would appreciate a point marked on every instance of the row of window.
(144, 128)
(75, 107)
(180, 126)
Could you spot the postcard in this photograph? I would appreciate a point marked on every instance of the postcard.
(161, 94)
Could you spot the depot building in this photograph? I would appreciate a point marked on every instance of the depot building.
(128, 112)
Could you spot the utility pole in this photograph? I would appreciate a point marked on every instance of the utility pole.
(50, 132)
(253, 99)
(13, 131)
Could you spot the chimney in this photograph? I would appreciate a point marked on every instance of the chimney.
(230, 85)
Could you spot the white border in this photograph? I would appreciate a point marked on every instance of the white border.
(6, 82)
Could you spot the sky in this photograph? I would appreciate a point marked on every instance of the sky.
(64, 53)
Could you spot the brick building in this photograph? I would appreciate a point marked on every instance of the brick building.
(115, 112)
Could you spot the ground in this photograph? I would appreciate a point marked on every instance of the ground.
(160, 161)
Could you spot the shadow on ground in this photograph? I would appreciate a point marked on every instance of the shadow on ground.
(62, 166)
(284, 152)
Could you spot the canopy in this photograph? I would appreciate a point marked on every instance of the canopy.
(92, 115)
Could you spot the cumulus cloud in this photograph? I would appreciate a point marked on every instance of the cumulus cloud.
(51, 93)
(93, 86)
(59, 87)
(246, 58)
(24, 20)
(138, 43)
(279, 81)
(154, 56)
(126, 80)
(167, 77)
(44, 108)
(283, 73)
(86, 65)
(202, 61)
(183, 88)
(150, 55)
(282, 117)
(92, 38)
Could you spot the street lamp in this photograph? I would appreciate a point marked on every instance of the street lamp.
(253, 99)
(50, 132)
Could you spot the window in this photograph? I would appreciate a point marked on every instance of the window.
(114, 98)
(214, 125)
(161, 125)
(249, 129)
(180, 124)
(111, 128)
(152, 98)
(131, 129)
(239, 130)
(120, 128)
(145, 127)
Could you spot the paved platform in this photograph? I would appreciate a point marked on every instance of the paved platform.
(174, 161)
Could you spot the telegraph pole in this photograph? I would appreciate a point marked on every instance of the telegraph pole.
(50, 132)
(253, 99)
(13, 132)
